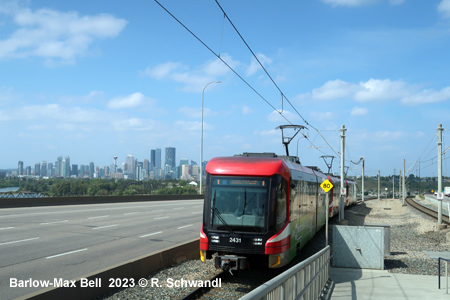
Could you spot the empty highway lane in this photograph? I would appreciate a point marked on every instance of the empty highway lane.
(54, 242)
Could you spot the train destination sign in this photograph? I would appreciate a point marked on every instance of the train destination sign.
(326, 185)
(245, 182)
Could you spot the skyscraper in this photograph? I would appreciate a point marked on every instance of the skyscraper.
(130, 164)
(157, 169)
(170, 170)
(74, 170)
(64, 169)
(183, 172)
(20, 168)
(67, 167)
(37, 169)
(170, 157)
(58, 166)
(91, 170)
(51, 170)
(146, 166)
(158, 158)
(44, 169)
(152, 159)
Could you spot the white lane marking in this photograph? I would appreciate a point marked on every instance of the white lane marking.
(13, 242)
(56, 222)
(66, 253)
(158, 210)
(151, 234)
(179, 208)
(160, 218)
(131, 213)
(185, 226)
(92, 208)
(6, 228)
(197, 212)
(107, 226)
(98, 217)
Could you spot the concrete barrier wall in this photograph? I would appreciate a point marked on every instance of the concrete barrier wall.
(51, 201)
(138, 268)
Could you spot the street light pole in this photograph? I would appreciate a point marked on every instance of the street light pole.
(201, 143)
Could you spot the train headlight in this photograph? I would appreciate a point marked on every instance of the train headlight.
(257, 241)
(215, 239)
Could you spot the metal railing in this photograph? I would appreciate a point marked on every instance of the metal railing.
(446, 273)
(305, 280)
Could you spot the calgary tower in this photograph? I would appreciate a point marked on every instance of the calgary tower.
(115, 164)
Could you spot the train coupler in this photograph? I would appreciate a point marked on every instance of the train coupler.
(230, 263)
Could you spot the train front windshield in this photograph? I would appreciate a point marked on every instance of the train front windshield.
(238, 204)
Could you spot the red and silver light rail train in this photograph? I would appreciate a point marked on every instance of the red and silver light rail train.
(263, 208)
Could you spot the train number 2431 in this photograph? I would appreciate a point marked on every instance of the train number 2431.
(235, 240)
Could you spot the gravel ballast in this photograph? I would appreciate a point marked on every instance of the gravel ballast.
(411, 234)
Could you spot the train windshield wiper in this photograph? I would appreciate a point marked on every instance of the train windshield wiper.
(219, 215)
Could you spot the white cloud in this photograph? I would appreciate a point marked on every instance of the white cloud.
(246, 110)
(320, 116)
(276, 117)
(350, 3)
(359, 111)
(444, 8)
(272, 132)
(135, 124)
(7, 94)
(193, 80)
(255, 66)
(356, 3)
(130, 101)
(427, 96)
(53, 34)
(376, 89)
(386, 135)
(56, 112)
(218, 68)
(163, 70)
(334, 89)
(192, 125)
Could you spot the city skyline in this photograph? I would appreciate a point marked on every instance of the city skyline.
(130, 168)
(94, 79)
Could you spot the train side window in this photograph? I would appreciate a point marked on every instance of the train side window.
(281, 208)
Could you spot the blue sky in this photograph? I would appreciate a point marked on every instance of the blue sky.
(94, 79)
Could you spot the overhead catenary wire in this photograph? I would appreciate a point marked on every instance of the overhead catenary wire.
(247, 83)
(283, 96)
(218, 56)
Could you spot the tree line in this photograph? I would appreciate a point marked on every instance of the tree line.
(99, 187)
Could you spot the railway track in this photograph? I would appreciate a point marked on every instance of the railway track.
(242, 282)
(235, 286)
(200, 291)
(427, 211)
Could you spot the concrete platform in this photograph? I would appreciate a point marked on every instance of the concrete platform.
(364, 284)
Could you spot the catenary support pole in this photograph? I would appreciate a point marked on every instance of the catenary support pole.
(378, 184)
(393, 186)
(439, 129)
(341, 204)
(362, 180)
(404, 185)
